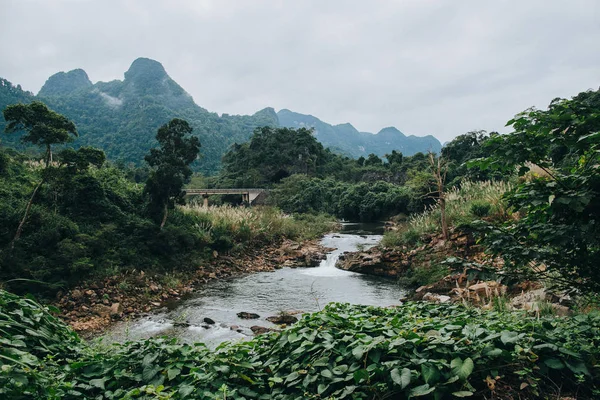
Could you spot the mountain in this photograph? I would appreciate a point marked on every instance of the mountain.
(122, 116)
(346, 139)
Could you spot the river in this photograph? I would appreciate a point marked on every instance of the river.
(292, 290)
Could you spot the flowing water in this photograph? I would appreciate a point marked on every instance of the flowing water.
(267, 294)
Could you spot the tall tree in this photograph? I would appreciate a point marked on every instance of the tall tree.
(43, 127)
(439, 169)
(171, 166)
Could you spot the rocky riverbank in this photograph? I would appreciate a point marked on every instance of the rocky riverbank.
(466, 280)
(93, 306)
(396, 262)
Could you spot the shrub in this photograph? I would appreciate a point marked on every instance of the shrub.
(424, 273)
(480, 209)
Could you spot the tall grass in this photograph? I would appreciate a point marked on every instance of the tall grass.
(463, 204)
(257, 224)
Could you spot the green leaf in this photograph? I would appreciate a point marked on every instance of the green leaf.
(361, 375)
(554, 363)
(327, 373)
(461, 368)
(578, 368)
(462, 393)
(185, 390)
(493, 352)
(509, 337)
(422, 390)
(291, 377)
(321, 388)
(401, 379)
(430, 373)
(358, 352)
(149, 372)
(172, 373)
(321, 362)
(293, 337)
(98, 383)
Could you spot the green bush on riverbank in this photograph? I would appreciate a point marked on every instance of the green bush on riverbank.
(464, 204)
(258, 224)
(345, 351)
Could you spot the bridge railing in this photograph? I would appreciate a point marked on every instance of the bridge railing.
(223, 191)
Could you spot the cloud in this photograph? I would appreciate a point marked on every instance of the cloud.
(426, 67)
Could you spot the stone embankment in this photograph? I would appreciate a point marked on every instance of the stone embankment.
(93, 306)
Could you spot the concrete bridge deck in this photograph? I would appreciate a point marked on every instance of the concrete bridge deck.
(248, 195)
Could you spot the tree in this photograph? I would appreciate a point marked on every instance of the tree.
(171, 166)
(373, 160)
(439, 169)
(43, 128)
(395, 157)
(557, 154)
(274, 154)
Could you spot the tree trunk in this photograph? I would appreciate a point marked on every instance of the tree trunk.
(439, 173)
(164, 220)
(444, 220)
(22, 223)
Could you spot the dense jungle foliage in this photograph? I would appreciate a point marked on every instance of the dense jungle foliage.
(306, 177)
(557, 155)
(413, 350)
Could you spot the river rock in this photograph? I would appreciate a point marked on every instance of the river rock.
(259, 330)
(436, 298)
(101, 310)
(209, 321)
(374, 261)
(116, 309)
(247, 315)
(283, 319)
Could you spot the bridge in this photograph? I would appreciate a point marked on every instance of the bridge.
(248, 195)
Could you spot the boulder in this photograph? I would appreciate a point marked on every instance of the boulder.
(259, 330)
(209, 321)
(116, 309)
(247, 315)
(436, 298)
(282, 319)
(532, 296)
(101, 310)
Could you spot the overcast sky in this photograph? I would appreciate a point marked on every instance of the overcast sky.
(426, 67)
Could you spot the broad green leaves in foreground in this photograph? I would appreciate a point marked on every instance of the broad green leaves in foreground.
(353, 352)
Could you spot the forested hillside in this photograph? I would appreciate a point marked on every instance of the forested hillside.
(120, 117)
(346, 139)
